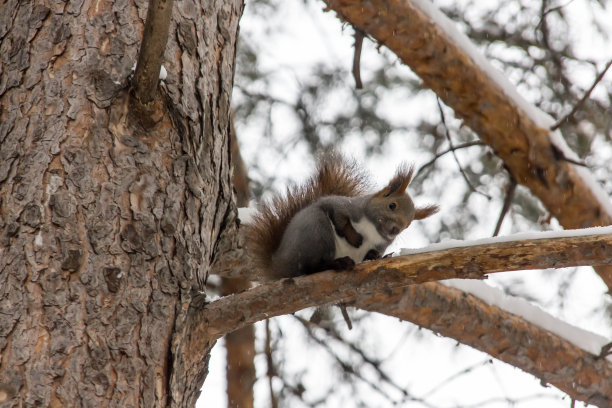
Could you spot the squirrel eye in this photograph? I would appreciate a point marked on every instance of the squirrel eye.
(392, 206)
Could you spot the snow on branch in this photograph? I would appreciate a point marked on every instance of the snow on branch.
(506, 336)
(519, 133)
(586, 340)
(513, 238)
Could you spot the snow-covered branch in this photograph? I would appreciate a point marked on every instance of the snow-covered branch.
(469, 261)
(583, 375)
(588, 341)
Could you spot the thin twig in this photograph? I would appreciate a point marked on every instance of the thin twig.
(354, 369)
(455, 376)
(606, 350)
(437, 156)
(553, 9)
(450, 142)
(506, 206)
(581, 102)
(152, 49)
(572, 161)
(359, 34)
(345, 315)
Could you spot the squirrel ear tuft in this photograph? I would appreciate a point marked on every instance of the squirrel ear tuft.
(425, 212)
(399, 182)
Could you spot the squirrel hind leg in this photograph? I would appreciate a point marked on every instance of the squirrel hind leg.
(307, 246)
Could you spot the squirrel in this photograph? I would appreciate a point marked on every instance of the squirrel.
(330, 222)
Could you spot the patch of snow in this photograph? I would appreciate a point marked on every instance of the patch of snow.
(54, 183)
(38, 240)
(163, 74)
(450, 28)
(557, 139)
(595, 187)
(584, 339)
(453, 243)
(245, 214)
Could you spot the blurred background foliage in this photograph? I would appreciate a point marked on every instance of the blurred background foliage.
(295, 96)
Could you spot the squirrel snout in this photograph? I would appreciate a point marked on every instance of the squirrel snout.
(394, 230)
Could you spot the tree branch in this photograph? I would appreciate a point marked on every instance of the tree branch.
(371, 285)
(505, 336)
(470, 262)
(491, 332)
(152, 49)
(486, 101)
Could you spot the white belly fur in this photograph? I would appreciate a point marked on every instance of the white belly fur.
(371, 240)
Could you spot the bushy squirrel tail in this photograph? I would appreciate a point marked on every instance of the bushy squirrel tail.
(335, 175)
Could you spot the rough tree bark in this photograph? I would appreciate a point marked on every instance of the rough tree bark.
(108, 231)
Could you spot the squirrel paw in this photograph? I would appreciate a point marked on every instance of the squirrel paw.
(371, 255)
(342, 263)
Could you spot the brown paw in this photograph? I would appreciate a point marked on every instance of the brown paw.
(342, 263)
(371, 255)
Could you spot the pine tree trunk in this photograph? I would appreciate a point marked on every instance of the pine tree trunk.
(107, 230)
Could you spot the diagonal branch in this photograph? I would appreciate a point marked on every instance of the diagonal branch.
(376, 286)
(424, 39)
(507, 337)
